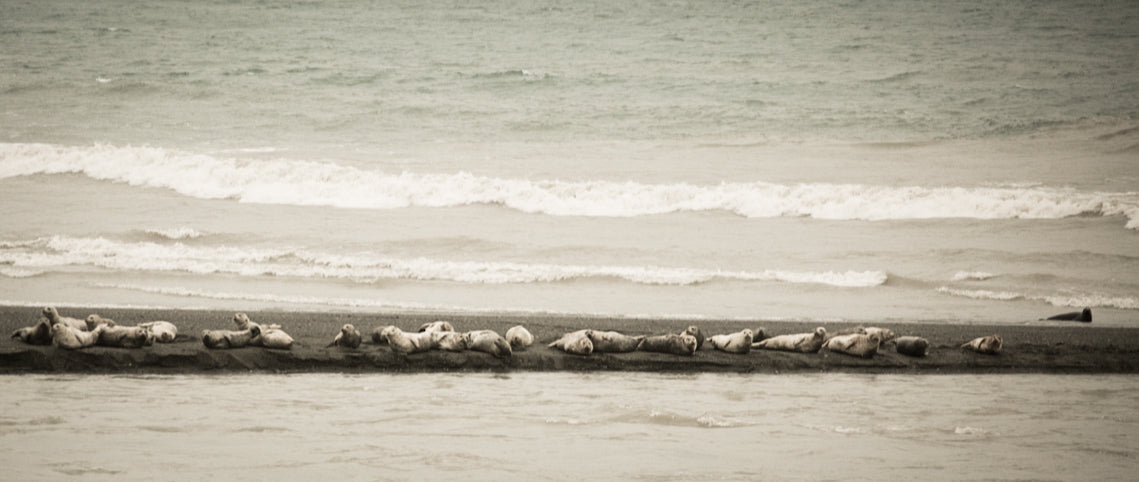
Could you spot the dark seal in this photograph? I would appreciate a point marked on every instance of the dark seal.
(1081, 316)
(915, 346)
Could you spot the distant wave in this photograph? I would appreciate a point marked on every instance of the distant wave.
(307, 183)
(1060, 300)
(11, 272)
(182, 232)
(57, 251)
(972, 276)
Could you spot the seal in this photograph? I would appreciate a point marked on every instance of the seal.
(488, 341)
(124, 336)
(347, 338)
(96, 320)
(70, 338)
(223, 339)
(519, 337)
(37, 334)
(378, 336)
(1084, 316)
(672, 344)
(915, 346)
(163, 331)
(437, 326)
(269, 336)
(855, 344)
(758, 334)
(989, 345)
(272, 337)
(449, 340)
(695, 332)
(242, 321)
(613, 342)
(574, 343)
(406, 343)
(738, 342)
(800, 342)
(53, 317)
(884, 334)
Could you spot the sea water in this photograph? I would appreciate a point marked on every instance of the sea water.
(963, 162)
(570, 426)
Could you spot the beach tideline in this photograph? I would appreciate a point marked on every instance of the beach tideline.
(1036, 347)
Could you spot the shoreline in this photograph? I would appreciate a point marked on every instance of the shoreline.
(1044, 347)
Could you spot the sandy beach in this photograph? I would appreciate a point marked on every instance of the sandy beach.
(1043, 347)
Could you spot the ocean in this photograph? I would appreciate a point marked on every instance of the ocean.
(855, 160)
(570, 426)
(870, 161)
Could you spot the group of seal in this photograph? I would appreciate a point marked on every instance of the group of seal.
(73, 333)
(247, 333)
(864, 342)
(441, 335)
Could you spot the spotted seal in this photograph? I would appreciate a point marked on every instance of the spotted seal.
(695, 332)
(989, 345)
(449, 340)
(124, 336)
(855, 344)
(488, 341)
(348, 337)
(53, 317)
(94, 320)
(437, 326)
(70, 338)
(613, 342)
(37, 334)
(163, 331)
(799, 342)
(574, 343)
(224, 339)
(407, 343)
(519, 337)
(672, 344)
(270, 336)
(738, 342)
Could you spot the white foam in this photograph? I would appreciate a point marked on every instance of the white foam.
(972, 276)
(1059, 300)
(970, 431)
(57, 251)
(982, 294)
(181, 232)
(307, 183)
(271, 298)
(1092, 300)
(18, 272)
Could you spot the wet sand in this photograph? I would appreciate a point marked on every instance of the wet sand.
(1037, 347)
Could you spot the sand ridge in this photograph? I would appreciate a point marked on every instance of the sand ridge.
(1043, 347)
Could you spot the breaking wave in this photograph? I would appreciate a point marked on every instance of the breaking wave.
(58, 251)
(1088, 300)
(182, 232)
(308, 183)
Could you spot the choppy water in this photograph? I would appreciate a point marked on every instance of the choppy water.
(966, 161)
(570, 426)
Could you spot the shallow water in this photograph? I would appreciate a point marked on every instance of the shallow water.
(570, 426)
